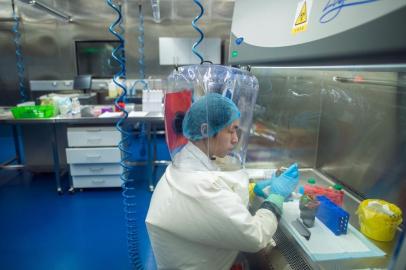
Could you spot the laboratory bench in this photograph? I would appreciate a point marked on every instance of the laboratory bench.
(54, 132)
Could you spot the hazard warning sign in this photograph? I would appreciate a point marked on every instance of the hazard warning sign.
(302, 16)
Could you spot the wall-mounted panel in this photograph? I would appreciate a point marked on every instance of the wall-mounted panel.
(178, 51)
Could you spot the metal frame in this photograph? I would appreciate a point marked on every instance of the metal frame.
(51, 11)
(150, 119)
(8, 164)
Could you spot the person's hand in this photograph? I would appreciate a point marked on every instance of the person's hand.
(285, 183)
(261, 186)
(282, 186)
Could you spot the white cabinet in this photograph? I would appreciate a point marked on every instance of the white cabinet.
(166, 51)
(93, 157)
(174, 51)
(93, 136)
(178, 51)
(96, 181)
(95, 169)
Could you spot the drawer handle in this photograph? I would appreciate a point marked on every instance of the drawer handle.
(98, 181)
(94, 139)
(96, 169)
(93, 156)
(94, 130)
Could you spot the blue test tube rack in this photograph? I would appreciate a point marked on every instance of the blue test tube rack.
(333, 216)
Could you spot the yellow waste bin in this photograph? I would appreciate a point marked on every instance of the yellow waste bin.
(379, 219)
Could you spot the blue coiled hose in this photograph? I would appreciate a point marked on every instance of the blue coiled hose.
(128, 184)
(143, 133)
(141, 42)
(198, 30)
(141, 52)
(19, 56)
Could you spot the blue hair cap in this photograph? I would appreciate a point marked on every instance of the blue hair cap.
(214, 110)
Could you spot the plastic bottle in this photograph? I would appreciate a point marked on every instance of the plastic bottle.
(75, 105)
(64, 105)
(112, 90)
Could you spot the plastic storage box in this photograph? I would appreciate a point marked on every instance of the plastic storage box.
(39, 111)
(334, 217)
(336, 196)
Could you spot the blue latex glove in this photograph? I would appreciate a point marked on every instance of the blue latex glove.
(285, 183)
(259, 188)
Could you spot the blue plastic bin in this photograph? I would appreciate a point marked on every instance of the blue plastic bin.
(333, 216)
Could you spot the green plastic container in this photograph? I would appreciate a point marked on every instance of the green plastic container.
(40, 111)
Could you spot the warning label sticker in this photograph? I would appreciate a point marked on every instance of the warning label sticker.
(302, 16)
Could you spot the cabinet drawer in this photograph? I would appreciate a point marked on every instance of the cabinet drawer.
(93, 136)
(95, 169)
(96, 181)
(93, 155)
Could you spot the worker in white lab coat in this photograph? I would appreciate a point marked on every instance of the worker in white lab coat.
(198, 217)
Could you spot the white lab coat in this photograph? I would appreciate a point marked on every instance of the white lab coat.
(198, 216)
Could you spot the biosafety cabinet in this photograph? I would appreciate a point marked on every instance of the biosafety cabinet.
(332, 77)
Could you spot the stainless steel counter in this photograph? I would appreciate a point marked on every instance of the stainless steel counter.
(150, 117)
(52, 134)
(351, 203)
(288, 254)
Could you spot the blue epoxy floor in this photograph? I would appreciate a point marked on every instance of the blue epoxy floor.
(40, 229)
